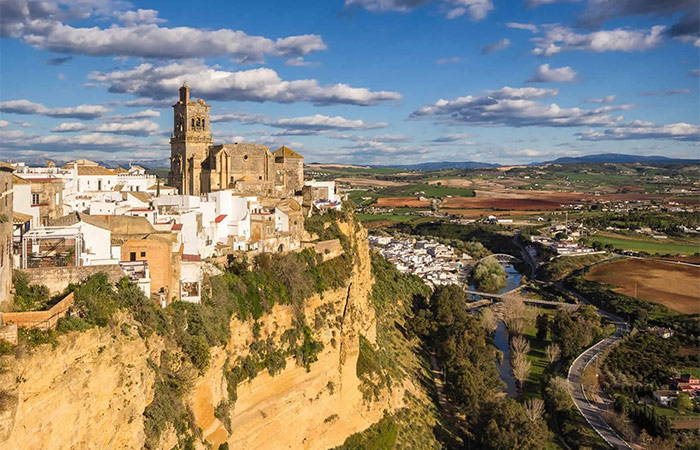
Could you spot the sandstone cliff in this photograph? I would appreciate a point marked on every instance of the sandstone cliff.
(91, 390)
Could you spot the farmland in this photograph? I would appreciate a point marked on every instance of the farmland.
(643, 245)
(672, 285)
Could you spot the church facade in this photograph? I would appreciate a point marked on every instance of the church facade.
(197, 166)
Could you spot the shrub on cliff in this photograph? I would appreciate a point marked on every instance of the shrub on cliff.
(489, 275)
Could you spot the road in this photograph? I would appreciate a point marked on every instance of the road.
(593, 412)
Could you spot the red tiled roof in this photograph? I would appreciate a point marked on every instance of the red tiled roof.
(176, 227)
(191, 258)
(220, 218)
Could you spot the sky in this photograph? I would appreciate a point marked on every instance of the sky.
(353, 81)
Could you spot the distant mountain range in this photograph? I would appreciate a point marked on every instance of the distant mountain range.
(591, 159)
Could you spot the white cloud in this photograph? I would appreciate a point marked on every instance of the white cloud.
(522, 26)
(602, 100)
(42, 25)
(305, 125)
(299, 61)
(386, 138)
(22, 106)
(4, 123)
(69, 127)
(644, 130)
(496, 46)
(140, 16)
(558, 38)
(449, 60)
(515, 107)
(477, 9)
(451, 137)
(544, 74)
(135, 128)
(145, 114)
(14, 139)
(665, 93)
(258, 85)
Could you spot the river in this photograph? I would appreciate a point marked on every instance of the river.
(500, 340)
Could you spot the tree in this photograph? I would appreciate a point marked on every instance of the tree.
(683, 403)
(552, 351)
(559, 395)
(542, 323)
(520, 344)
(489, 275)
(534, 408)
(488, 320)
(505, 425)
(517, 315)
(521, 368)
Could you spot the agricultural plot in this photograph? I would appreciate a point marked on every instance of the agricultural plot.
(651, 247)
(675, 286)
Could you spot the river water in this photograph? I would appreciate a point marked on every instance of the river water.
(500, 340)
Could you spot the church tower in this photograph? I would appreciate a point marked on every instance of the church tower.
(189, 144)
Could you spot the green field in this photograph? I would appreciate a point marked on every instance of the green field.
(537, 358)
(391, 217)
(659, 247)
(429, 190)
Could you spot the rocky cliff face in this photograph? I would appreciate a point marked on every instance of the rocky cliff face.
(91, 390)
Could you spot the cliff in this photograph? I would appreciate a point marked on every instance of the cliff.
(91, 390)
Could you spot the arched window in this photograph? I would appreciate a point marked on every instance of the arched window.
(192, 122)
(203, 127)
(198, 122)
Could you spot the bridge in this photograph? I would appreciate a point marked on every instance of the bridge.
(488, 298)
(501, 258)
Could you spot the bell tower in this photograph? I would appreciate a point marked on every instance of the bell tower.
(189, 144)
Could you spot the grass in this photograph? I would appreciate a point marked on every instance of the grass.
(661, 248)
(390, 217)
(428, 190)
(537, 358)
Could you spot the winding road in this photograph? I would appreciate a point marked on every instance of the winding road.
(593, 412)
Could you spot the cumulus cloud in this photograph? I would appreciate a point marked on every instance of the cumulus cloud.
(515, 107)
(644, 130)
(544, 74)
(305, 125)
(522, 26)
(146, 113)
(299, 61)
(13, 139)
(557, 39)
(42, 25)
(140, 16)
(69, 127)
(135, 128)
(4, 123)
(496, 46)
(385, 138)
(599, 11)
(477, 9)
(85, 112)
(665, 93)
(257, 85)
(602, 100)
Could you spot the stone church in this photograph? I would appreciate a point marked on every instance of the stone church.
(197, 166)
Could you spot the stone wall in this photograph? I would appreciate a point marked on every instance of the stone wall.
(44, 320)
(58, 278)
(329, 249)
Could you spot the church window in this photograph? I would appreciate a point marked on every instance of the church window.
(193, 123)
(198, 122)
(202, 123)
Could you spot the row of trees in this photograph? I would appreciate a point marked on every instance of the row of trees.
(463, 347)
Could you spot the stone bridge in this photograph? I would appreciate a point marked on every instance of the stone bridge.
(488, 298)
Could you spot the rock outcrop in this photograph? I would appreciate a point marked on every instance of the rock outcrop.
(91, 390)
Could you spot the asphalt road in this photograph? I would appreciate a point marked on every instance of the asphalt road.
(593, 412)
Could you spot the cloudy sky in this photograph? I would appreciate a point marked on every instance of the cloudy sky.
(353, 81)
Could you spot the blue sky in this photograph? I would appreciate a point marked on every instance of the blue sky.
(353, 81)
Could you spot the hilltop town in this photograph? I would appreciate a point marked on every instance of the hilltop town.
(64, 223)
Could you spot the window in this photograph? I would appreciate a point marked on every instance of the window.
(132, 256)
(143, 254)
(245, 157)
(192, 123)
(202, 123)
(35, 199)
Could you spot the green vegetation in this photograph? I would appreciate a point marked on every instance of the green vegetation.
(489, 275)
(385, 217)
(28, 298)
(380, 436)
(424, 190)
(641, 364)
(559, 268)
(645, 246)
(492, 237)
(369, 370)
